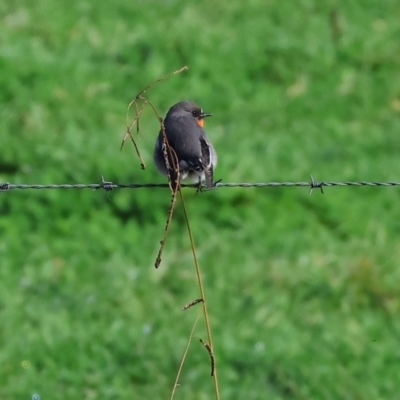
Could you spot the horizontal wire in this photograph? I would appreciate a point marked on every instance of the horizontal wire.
(110, 185)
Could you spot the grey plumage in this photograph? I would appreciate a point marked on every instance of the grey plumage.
(196, 155)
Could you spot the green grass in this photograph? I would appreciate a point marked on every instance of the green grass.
(303, 291)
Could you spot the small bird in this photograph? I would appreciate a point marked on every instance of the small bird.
(196, 156)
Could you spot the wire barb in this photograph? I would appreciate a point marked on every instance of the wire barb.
(315, 185)
(106, 185)
(4, 187)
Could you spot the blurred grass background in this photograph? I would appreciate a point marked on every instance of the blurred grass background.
(303, 292)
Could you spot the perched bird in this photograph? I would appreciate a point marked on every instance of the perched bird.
(196, 156)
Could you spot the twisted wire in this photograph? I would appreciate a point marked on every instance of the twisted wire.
(110, 185)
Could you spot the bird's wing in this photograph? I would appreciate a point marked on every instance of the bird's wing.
(207, 162)
(186, 142)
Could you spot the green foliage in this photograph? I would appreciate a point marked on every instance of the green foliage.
(303, 292)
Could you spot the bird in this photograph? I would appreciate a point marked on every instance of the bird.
(182, 134)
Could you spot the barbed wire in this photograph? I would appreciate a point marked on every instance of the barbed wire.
(106, 185)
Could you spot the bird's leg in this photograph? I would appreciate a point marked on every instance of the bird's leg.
(199, 186)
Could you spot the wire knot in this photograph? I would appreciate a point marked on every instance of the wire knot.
(107, 186)
(4, 187)
(316, 185)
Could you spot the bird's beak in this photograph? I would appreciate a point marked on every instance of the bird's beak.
(203, 115)
(200, 121)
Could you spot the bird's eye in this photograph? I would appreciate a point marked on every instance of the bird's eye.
(195, 113)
